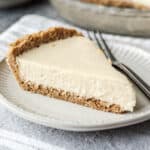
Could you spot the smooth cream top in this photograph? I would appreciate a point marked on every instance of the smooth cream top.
(77, 65)
(143, 2)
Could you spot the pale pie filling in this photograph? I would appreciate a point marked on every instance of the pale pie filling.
(142, 2)
(76, 65)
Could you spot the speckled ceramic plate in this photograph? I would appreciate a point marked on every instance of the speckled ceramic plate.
(108, 19)
(64, 115)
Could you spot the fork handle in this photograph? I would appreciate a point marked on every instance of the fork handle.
(143, 86)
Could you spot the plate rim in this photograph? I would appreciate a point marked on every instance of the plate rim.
(58, 124)
(35, 118)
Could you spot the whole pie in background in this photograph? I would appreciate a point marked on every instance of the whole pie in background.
(138, 4)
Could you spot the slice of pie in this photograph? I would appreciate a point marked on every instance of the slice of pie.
(63, 64)
(138, 4)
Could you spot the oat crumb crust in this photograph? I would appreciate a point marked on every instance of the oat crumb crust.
(119, 3)
(35, 40)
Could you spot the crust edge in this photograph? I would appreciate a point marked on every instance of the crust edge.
(71, 97)
(118, 3)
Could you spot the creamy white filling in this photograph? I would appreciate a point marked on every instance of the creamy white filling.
(78, 66)
(143, 2)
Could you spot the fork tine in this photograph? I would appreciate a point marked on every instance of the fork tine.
(94, 38)
(97, 40)
(107, 50)
(89, 35)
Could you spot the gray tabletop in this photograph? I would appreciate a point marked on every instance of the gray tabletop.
(133, 137)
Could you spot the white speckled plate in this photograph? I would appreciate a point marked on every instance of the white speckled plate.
(108, 19)
(68, 116)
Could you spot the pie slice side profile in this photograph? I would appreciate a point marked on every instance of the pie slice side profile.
(137, 4)
(63, 64)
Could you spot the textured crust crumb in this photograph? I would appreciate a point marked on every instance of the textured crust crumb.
(119, 3)
(35, 40)
(70, 97)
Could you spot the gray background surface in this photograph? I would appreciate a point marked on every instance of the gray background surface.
(129, 138)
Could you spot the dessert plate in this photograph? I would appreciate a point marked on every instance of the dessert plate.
(64, 115)
(108, 19)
